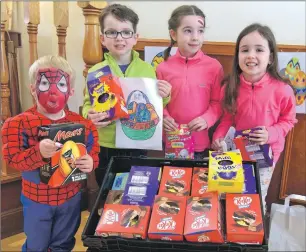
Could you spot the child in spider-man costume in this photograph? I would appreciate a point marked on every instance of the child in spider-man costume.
(51, 215)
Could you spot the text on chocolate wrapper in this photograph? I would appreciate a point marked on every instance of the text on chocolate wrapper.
(243, 201)
(177, 173)
(166, 224)
(63, 135)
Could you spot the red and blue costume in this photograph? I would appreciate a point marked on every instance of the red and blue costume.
(51, 215)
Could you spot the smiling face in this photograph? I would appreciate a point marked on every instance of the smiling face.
(189, 35)
(254, 56)
(118, 47)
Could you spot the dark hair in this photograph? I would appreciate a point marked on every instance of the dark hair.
(120, 12)
(232, 81)
(175, 20)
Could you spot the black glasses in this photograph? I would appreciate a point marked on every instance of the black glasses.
(114, 34)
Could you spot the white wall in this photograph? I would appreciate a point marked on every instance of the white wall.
(225, 19)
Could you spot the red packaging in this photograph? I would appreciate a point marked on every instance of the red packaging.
(175, 181)
(203, 219)
(244, 219)
(124, 220)
(179, 143)
(167, 219)
(199, 183)
(61, 169)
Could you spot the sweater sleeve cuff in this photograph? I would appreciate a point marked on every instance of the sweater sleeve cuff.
(272, 134)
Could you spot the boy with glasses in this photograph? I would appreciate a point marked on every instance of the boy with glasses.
(119, 34)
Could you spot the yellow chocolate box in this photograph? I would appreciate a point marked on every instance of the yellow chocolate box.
(225, 173)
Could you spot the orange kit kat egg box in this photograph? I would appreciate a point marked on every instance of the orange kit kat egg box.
(244, 222)
(199, 183)
(203, 219)
(70, 139)
(167, 219)
(175, 181)
(127, 221)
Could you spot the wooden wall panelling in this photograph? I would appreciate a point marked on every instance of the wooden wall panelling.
(11, 208)
(295, 160)
(289, 176)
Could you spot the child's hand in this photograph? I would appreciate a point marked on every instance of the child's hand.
(197, 124)
(164, 88)
(48, 148)
(216, 145)
(97, 117)
(260, 136)
(169, 124)
(84, 163)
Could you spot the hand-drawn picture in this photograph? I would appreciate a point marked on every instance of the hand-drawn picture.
(292, 66)
(156, 54)
(143, 128)
(142, 121)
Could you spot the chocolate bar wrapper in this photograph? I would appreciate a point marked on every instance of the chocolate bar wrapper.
(262, 154)
(61, 169)
(142, 186)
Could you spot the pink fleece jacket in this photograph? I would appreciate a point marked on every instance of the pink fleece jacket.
(195, 91)
(268, 102)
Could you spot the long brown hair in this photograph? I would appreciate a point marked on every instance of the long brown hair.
(175, 20)
(232, 81)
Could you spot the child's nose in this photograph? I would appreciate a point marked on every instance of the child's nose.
(251, 54)
(195, 36)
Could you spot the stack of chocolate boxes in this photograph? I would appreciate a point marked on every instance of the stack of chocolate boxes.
(186, 203)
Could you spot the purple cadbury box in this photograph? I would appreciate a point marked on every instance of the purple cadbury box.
(142, 186)
(261, 153)
(249, 179)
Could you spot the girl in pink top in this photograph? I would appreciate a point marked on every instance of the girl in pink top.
(195, 78)
(255, 95)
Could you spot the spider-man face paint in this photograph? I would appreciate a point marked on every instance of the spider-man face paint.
(52, 89)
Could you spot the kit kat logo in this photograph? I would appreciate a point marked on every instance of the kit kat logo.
(166, 224)
(110, 217)
(177, 173)
(63, 135)
(243, 201)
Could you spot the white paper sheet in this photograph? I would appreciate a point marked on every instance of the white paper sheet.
(143, 129)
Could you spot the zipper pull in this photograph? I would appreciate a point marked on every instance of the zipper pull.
(186, 60)
(252, 86)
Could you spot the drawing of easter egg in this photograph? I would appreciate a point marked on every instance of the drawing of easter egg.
(143, 118)
(299, 80)
(292, 68)
(158, 58)
(299, 84)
